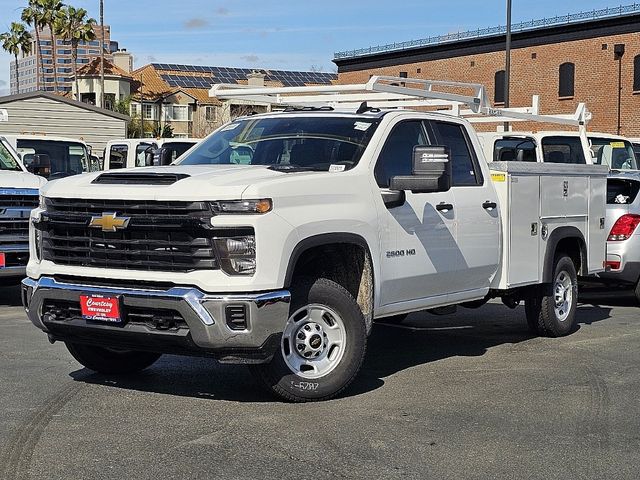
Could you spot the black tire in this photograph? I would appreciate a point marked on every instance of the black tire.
(279, 379)
(543, 317)
(636, 292)
(394, 319)
(111, 362)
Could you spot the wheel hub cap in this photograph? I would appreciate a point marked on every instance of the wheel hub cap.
(563, 295)
(313, 341)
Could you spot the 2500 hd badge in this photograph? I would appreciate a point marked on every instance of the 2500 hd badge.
(401, 253)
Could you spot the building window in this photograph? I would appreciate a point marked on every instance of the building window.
(403, 74)
(210, 113)
(566, 80)
(177, 113)
(498, 94)
(149, 112)
(636, 73)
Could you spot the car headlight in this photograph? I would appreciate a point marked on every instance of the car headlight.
(41, 202)
(237, 254)
(226, 207)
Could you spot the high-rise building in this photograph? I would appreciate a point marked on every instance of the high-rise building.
(42, 59)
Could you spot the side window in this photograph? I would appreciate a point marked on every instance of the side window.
(514, 150)
(118, 156)
(464, 164)
(563, 150)
(141, 156)
(396, 158)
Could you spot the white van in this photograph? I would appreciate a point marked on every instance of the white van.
(559, 147)
(141, 152)
(56, 157)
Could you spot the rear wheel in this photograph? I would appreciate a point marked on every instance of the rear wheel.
(111, 361)
(551, 312)
(322, 347)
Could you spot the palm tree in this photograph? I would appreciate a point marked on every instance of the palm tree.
(17, 40)
(50, 10)
(73, 25)
(32, 15)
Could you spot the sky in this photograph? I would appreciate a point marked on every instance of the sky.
(286, 35)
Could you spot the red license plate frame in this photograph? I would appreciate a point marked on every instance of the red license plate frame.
(101, 308)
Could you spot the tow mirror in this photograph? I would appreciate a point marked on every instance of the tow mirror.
(166, 157)
(40, 165)
(431, 171)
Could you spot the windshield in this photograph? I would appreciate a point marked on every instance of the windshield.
(66, 158)
(291, 142)
(7, 160)
(617, 154)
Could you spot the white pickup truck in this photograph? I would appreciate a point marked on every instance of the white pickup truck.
(339, 218)
(18, 196)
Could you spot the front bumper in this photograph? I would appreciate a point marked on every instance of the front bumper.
(204, 330)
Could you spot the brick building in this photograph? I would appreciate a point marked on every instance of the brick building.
(567, 60)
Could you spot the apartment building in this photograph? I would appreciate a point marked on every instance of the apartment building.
(42, 59)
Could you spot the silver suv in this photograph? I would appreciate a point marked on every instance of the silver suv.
(622, 220)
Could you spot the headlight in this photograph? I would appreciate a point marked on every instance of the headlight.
(41, 203)
(38, 240)
(237, 254)
(242, 206)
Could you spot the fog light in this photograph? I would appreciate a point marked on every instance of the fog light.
(237, 254)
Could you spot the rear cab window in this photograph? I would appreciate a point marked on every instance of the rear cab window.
(515, 149)
(621, 191)
(118, 156)
(559, 149)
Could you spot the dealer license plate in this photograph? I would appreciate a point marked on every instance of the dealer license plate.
(98, 308)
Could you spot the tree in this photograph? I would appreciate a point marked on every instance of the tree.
(50, 10)
(33, 15)
(73, 25)
(17, 40)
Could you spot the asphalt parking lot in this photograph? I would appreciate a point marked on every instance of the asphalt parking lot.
(465, 396)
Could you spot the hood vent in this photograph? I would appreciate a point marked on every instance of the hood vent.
(136, 178)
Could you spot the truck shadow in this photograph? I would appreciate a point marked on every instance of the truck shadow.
(422, 339)
(10, 296)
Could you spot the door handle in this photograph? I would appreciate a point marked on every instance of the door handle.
(489, 205)
(444, 207)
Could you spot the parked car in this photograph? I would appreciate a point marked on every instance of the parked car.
(623, 243)
(328, 220)
(53, 157)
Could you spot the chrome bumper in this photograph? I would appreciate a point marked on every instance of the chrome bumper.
(204, 314)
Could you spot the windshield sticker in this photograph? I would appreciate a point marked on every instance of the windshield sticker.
(337, 168)
(362, 126)
(618, 145)
(231, 126)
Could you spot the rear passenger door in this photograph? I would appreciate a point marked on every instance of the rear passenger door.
(476, 209)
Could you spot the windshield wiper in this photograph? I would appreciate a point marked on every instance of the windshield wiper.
(286, 168)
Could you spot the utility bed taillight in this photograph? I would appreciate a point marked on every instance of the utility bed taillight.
(624, 228)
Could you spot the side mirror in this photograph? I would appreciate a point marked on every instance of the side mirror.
(40, 165)
(431, 171)
(165, 156)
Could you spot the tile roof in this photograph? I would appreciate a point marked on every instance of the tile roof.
(160, 80)
(93, 68)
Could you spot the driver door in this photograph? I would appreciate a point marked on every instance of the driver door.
(420, 259)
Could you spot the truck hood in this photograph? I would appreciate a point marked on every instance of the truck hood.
(211, 182)
(20, 180)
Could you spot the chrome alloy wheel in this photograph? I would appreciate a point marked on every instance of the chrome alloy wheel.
(313, 341)
(563, 295)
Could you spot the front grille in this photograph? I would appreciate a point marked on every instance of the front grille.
(160, 236)
(154, 319)
(18, 201)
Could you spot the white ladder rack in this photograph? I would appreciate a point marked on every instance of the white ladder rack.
(397, 92)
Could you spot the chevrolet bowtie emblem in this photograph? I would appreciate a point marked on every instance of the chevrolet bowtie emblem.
(109, 223)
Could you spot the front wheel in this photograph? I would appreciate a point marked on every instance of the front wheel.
(552, 313)
(322, 346)
(111, 361)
